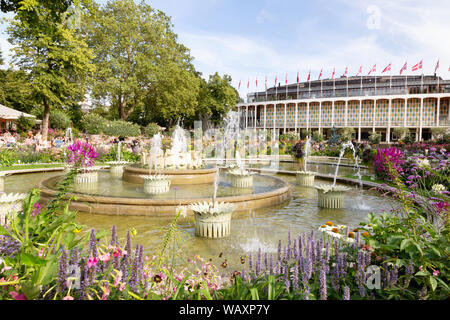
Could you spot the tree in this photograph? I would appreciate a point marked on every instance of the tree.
(15, 90)
(142, 71)
(216, 98)
(55, 58)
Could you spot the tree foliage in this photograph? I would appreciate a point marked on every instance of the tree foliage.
(52, 54)
(216, 98)
(141, 68)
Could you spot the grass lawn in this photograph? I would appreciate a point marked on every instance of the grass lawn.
(366, 178)
(32, 166)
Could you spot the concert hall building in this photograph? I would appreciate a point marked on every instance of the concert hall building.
(366, 103)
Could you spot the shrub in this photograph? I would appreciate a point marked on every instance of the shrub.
(120, 128)
(305, 133)
(24, 125)
(375, 137)
(317, 137)
(401, 133)
(59, 120)
(292, 136)
(347, 134)
(151, 129)
(93, 124)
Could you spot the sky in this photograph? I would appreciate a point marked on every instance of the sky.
(258, 39)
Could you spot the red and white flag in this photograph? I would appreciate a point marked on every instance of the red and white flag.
(257, 82)
(345, 73)
(388, 68)
(417, 66)
(286, 78)
(309, 76)
(332, 75)
(276, 80)
(248, 84)
(405, 67)
(239, 86)
(437, 67)
(360, 71)
(374, 69)
(298, 77)
(265, 82)
(320, 75)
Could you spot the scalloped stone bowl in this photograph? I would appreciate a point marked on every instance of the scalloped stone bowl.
(305, 178)
(156, 184)
(240, 178)
(10, 202)
(116, 168)
(331, 197)
(212, 220)
(87, 175)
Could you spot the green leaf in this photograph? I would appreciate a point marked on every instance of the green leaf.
(433, 283)
(405, 243)
(422, 273)
(30, 290)
(254, 292)
(31, 260)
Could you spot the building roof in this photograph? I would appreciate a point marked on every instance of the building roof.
(12, 114)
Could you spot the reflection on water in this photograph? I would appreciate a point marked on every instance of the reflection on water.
(250, 230)
(112, 187)
(316, 167)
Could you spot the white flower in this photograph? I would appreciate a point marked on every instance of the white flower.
(438, 188)
(182, 210)
(423, 163)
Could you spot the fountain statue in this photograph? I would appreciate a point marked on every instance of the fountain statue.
(116, 167)
(156, 183)
(305, 178)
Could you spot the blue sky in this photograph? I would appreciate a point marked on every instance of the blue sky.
(251, 39)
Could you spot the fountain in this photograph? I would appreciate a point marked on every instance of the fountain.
(182, 165)
(239, 177)
(213, 219)
(155, 183)
(116, 167)
(332, 197)
(306, 178)
(2, 181)
(86, 175)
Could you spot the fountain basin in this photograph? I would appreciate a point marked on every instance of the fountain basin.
(87, 175)
(240, 178)
(305, 178)
(212, 222)
(133, 206)
(156, 184)
(10, 203)
(116, 168)
(331, 197)
(133, 174)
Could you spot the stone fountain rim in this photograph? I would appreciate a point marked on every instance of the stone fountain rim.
(48, 192)
(172, 172)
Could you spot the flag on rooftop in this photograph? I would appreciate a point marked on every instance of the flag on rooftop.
(374, 69)
(388, 68)
(332, 75)
(345, 73)
(417, 66)
(309, 75)
(437, 67)
(405, 67)
(320, 75)
(360, 71)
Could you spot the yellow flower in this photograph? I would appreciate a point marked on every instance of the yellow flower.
(76, 230)
(133, 232)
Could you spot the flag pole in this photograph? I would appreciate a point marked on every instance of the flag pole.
(298, 84)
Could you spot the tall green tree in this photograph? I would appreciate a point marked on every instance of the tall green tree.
(216, 97)
(54, 57)
(142, 70)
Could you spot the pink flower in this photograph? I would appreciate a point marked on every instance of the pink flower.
(106, 293)
(117, 252)
(92, 262)
(17, 296)
(119, 277)
(435, 273)
(105, 258)
(68, 298)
